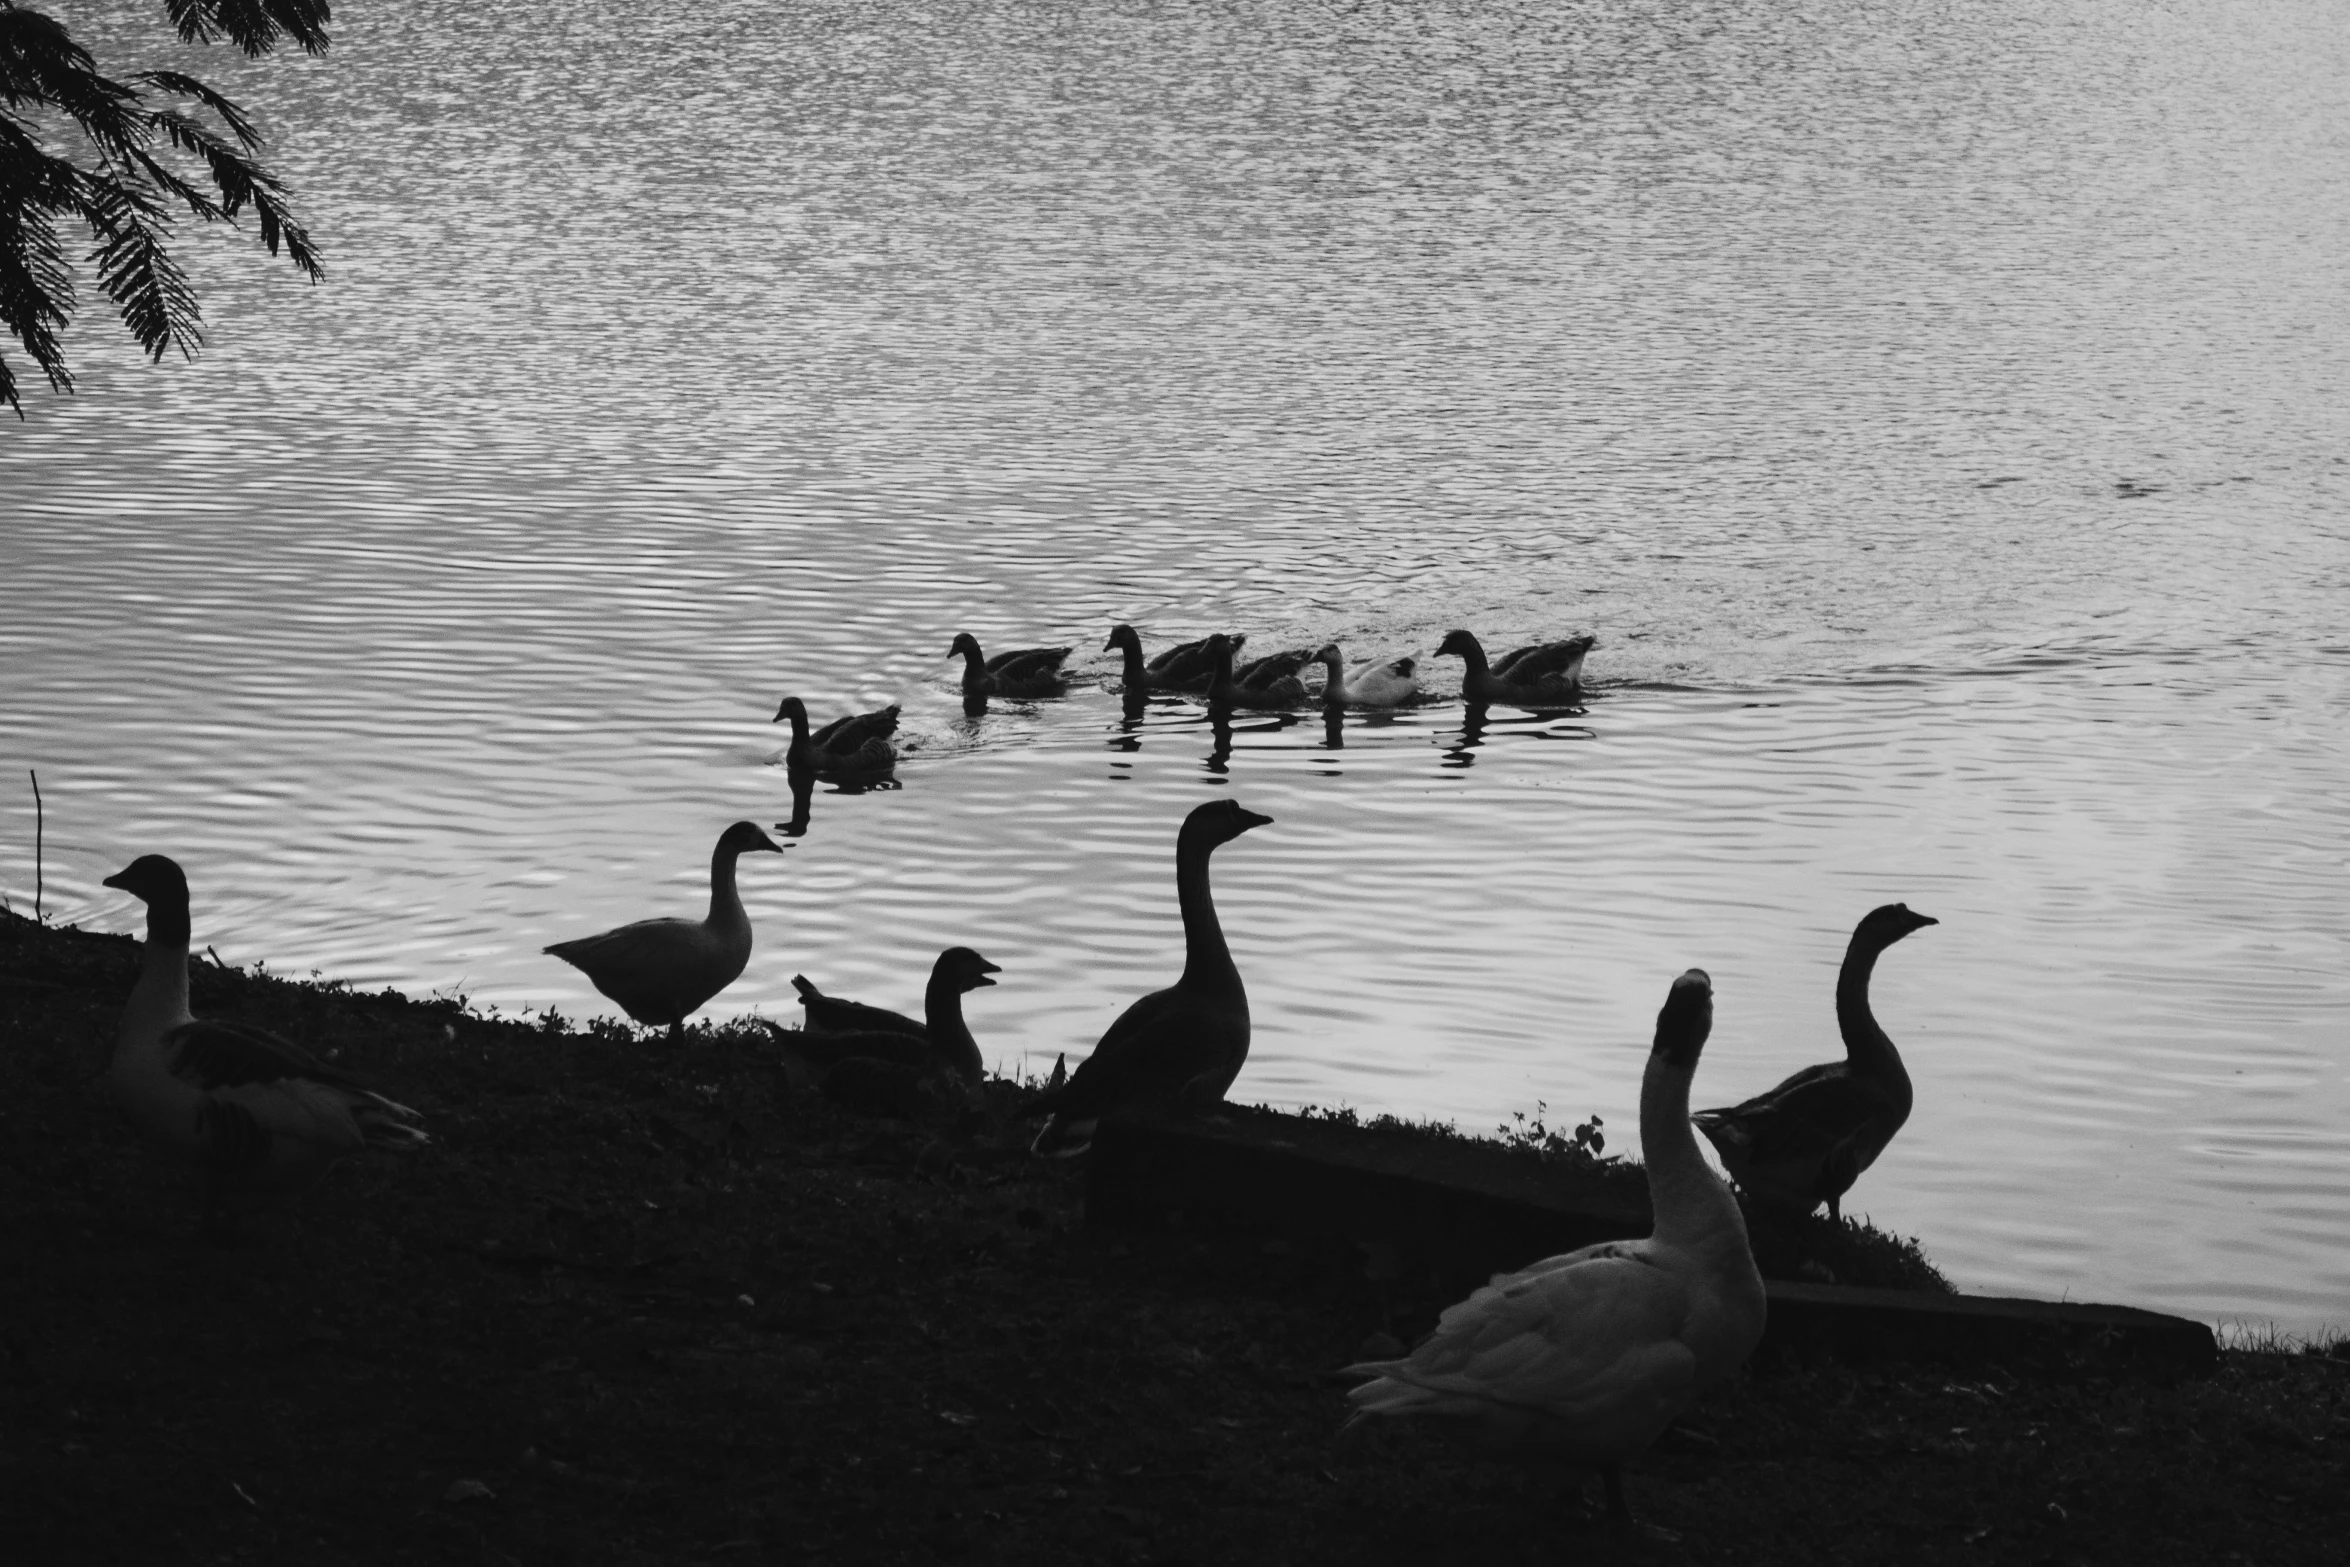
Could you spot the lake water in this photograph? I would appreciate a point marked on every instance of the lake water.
(1938, 413)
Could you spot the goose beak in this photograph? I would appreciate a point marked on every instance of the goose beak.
(116, 880)
(768, 844)
(1249, 818)
(1921, 921)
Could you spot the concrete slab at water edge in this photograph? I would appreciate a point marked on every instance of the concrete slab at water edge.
(1420, 1211)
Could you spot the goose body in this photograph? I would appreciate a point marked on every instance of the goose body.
(886, 1070)
(835, 1029)
(1370, 685)
(1187, 666)
(254, 1113)
(1178, 1048)
(1538, 675)
(1269, 684)
(1584, 1359)
(1806, 1141)
(1034, 671)
(661, 971)
(854, 745)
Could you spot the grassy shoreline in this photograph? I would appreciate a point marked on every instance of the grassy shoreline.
(658, 1308)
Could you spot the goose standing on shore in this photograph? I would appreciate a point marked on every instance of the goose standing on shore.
(1544, 674)
(661, 971)
(1178, 1048)
(1031, 671)
(255, 1114)
(1373, 685)
(855, 745)
(1187, 666)
(1584, 1359)
(1806, 1141)
(1268, 685)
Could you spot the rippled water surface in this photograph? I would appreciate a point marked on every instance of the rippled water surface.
(1937, 412)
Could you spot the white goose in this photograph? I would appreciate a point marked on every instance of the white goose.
(256, 1114)
(661, 971)
(1373, 685)
(1584, 1359)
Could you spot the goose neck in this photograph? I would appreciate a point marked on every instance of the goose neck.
(159, 998)
(1473, 655)
(1207, 961)
(726, 904)
(799, 726)
(1865, 1044)
(950, 1036)
(1693, 1208)
(1334, 688)
(1134, 677)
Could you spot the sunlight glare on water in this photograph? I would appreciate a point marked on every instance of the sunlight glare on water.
(1936, 412)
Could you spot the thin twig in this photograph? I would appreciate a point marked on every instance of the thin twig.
(40, 824)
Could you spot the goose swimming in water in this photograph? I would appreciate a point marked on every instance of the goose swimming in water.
(1033, 671)
(1540, 675)
(1178, 1048)
(1806, 1141)
(257, 1115)
(1583, 1359)
(1268, 685)
(1187, 666)
(1372, 685)
(855, 745)
(661, 971)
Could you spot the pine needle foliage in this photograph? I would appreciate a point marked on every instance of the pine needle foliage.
(153, 145)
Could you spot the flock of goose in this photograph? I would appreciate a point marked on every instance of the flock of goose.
(1581, 1359)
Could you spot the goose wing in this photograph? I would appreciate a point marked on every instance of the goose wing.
(1272, 667)
(266, 1083)
(1189, 660)
(1592, 1342)
(1157, 1048)
(852, 731)
(832, 1015)
(1029, 663)
(1561, 662)
(1807, 1139)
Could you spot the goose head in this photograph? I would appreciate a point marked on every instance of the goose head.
(795, 710)
(152, 879)
(157, 881)
(966, 968)
(967, 645)
(1328, 653)
(1685, 1020)
(1458, 644)
(747, 838)
(1122, 635)
(1219, 821)
(1885, 925)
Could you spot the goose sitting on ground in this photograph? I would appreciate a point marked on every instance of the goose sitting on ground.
(1178, 1048)
(1268, 685)
(958, 971)
(661, 971)
(1538, 676)
(1373, 685)
(854, 745)
(256, 1114)
(1033, 671)
(1806, 1141)
(1187, 666)
(884, 1063)
(1584, 1359)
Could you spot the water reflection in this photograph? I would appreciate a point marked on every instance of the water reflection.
(463, 627)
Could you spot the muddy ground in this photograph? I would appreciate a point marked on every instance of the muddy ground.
(648, 1305)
